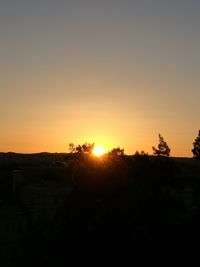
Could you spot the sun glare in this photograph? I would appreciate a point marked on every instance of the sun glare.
(98, 151)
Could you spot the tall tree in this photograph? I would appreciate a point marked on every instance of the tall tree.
(196, 149)
(162, 149)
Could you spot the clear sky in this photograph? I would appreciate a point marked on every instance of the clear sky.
(112, 72)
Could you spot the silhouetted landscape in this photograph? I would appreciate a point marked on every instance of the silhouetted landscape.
(58, 207)
(89, 90)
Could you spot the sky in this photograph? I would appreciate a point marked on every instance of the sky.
(112, 72)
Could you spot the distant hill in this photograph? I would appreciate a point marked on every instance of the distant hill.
(35, 158)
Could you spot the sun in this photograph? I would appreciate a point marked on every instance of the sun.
(98, 151)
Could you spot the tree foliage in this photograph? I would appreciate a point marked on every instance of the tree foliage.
(84, 149)
(162, 149)
(196, 147)
(71, 148)
(142, 154)
(116, 152)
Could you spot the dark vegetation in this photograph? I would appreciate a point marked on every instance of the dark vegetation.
(120, 207)
(163, 149)
(196, 147)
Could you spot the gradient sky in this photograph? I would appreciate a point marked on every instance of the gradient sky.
(112, 72)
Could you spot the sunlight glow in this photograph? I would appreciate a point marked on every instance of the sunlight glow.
(98, 151)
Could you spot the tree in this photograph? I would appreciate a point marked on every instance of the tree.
(85, 149)
(141, 154)
(116, 152)
(196, 149)
(162, 149)
(72, 148)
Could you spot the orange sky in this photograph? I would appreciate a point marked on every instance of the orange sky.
(116, 73)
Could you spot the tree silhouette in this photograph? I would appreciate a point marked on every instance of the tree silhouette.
(196, 149)
(72, 148)
(162, 149)
(142, 154)
(85, 149)
(116, 152)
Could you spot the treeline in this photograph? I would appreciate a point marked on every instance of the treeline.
(162, 150)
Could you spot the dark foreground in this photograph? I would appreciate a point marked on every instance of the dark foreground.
(61, 208)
